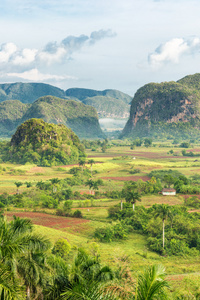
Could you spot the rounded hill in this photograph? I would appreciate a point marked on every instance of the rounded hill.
(44, 144)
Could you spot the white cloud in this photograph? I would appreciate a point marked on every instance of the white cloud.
(6, 52)
(50, 58)
(35, 75)
(52, 53)
(27, 56)
(171, 51)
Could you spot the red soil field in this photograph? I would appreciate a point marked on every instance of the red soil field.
(51, 221)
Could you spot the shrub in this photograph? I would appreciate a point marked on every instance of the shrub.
(77, 214)
(111, 233)
(61, 248)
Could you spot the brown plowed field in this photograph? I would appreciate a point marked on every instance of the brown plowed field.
(128, 178)
(51, 221)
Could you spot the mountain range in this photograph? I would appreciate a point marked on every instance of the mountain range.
(81, 118)
(108, 103)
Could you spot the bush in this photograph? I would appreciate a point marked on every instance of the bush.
(111, 233)
(77, 214)
(61, 248)
(193, 202)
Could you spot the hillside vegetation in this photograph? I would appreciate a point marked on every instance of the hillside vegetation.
(82, 119)
(29, 92)
(168, 108)
(44, 144)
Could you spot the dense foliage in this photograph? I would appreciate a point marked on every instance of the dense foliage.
(182, 231)
(44, 144)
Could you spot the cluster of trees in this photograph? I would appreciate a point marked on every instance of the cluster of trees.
(174, 178)
(169, 230)
(30, 268)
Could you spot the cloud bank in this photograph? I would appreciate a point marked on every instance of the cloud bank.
(173, 50)
(27, 63)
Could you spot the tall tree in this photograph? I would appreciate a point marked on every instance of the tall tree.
(163, 211)
(130, 193)
(91, 162)
(81, 163)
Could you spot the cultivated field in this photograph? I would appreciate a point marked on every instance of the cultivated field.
(114, 167)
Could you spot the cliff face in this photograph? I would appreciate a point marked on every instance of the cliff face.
(156, 107)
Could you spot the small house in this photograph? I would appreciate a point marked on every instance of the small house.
(168, 192)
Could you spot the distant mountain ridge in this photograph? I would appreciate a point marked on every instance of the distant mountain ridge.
(81, 118)
(167, 109)
(106, 102)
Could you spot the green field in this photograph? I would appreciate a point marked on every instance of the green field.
(114, 167)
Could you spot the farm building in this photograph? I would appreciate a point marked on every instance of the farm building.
(168, 192)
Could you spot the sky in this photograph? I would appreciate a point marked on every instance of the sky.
(99, 44)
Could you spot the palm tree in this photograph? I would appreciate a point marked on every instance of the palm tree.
(17, 241)
(91, 291)
(132, 196)
(151, 284)
(91, 162)
(163, 211)
(9, 289)
(32, 267)
(81, 163)
(18, 184)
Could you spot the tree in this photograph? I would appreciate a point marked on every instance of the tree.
(18, 184)
(81, 163)
(17, 242)
(132, 197)
(28, 184)
(162, 211)
(169, 179)
(147, 142)
(130, 193)
(151, 284)
(55, 182)
(91, 162)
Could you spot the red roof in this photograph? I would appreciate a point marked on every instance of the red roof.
(168, 190)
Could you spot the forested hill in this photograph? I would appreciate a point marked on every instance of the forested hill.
(36, 141)
(106, 102)
(81, 118)
(167, 109)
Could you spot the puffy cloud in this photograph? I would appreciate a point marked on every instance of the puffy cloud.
(171, 51)
(50, 57)
(35, 75)
(6, 52)
(26, 56)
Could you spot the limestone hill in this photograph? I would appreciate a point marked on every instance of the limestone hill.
(169, 109)
(44, 144)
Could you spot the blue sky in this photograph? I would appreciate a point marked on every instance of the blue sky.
(99, 44)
